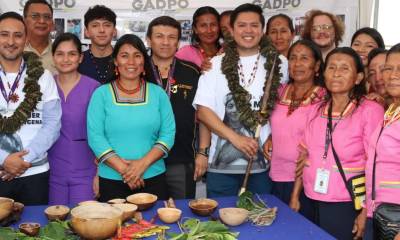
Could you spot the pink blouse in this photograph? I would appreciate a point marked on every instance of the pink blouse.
(350, 139)
(387, 173)
(191, 54)
(287, 131)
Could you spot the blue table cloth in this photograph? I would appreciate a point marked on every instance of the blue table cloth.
(287, 225)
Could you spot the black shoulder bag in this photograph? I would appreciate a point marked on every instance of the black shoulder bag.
(386, 218)
(354, 185)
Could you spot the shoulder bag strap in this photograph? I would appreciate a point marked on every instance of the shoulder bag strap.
(374, 166)
(338, 164)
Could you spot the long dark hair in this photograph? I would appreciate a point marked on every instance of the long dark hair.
(373, 33)
(359, 90)
(288, 20)
(66, 37)
(199, 12)
(137, 43)
(316, 52)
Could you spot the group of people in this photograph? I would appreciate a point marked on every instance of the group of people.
(115, 120)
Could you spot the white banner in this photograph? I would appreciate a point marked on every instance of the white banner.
(134, 15)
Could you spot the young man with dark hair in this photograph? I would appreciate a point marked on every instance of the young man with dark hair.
(97, 61)
(229, 101)
(179, 79)
(38, 17)
(30, 116)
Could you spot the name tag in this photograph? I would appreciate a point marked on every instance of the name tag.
(321, 181)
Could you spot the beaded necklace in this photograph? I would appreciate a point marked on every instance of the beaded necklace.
(101, 77)
(170, 80)
(391, 115)
(129, 91)
(242, 79)
(295, 102)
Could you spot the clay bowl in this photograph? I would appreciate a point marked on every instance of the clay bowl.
(89, 202)
(142, 200)
(128, 210)
(95, 221)
(6, 207)
(18, 208)
(169, 215)
(116, 201)
(30, 228)
(56, 212)
(203, 206)
(233, 216)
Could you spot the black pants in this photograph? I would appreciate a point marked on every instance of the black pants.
(30, 190)
(337, 218)
(180, 181)
(283, 191)
(110, 189)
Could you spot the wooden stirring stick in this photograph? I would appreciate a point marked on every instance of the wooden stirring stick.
(258, 129)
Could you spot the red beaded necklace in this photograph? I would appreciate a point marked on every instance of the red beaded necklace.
(129, 91)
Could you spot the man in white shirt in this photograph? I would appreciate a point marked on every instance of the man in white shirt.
(30, 116)
(228, 100)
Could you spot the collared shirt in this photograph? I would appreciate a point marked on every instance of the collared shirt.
(183, 90)
(46, 57)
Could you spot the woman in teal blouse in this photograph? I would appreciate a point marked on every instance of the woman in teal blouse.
(131, 126)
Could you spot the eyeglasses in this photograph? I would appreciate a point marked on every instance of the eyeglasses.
(45, 16)
(324, 27)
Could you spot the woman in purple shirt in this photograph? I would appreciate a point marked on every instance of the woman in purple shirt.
(72, 165)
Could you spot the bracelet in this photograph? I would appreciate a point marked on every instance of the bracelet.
(201, 153)
(204, 151)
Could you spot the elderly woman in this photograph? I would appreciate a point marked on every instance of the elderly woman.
(295, 102)
(336, 138)
(384, 148)
(131, 126)
(71, 160)
(280, 30)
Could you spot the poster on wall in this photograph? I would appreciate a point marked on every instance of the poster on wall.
(135, 15)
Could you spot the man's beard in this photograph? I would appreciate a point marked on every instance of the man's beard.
(10, 57)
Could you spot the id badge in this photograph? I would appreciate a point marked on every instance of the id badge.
(321, 181)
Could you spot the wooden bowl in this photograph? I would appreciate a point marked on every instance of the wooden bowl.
(142, 200)
(128, 210)
(233, 216)
(18, 208)
(169, 215)
(56, 212)
(203, 206)
(29, 228)
(116, 201)
(89, 202)
(6, 207)
(95, 221)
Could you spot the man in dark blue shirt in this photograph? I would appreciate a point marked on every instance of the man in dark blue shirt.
(97, 61)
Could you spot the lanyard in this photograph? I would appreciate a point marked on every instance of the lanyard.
(170, 79)
(329, 128)
(14, 86)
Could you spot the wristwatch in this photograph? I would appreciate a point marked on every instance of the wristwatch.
(204, 151)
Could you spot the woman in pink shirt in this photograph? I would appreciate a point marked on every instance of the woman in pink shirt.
(353, 118)
(205, 37)
(296, 99)
(386, 145)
